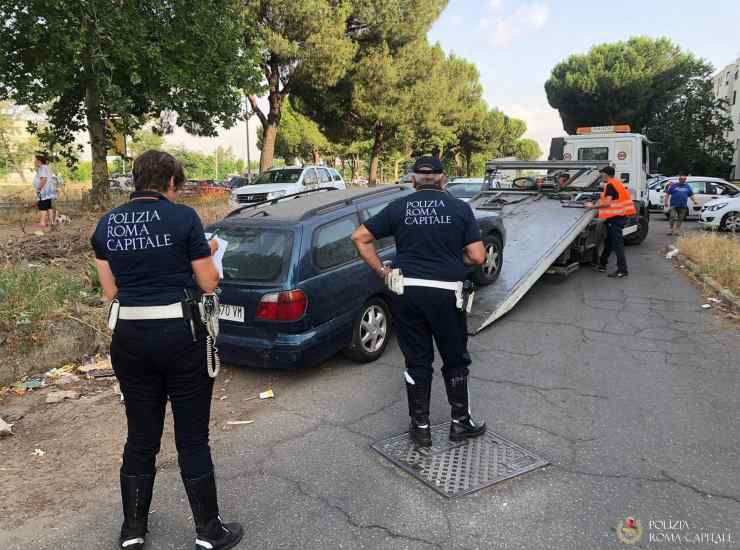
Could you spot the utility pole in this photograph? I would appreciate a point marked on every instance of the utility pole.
(247, 115)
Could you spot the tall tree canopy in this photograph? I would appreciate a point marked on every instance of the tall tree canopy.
(299, 137)
(658, 90)
(620, 83)
(690, 133)
(302, 41)
(377, 98)
(90, 63)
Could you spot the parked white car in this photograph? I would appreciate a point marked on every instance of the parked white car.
(656, 188)
(279, 182)
(705, 190)
(722, 213)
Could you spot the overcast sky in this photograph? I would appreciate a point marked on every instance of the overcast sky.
(516, 43)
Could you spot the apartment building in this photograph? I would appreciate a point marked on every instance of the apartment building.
(726, 85)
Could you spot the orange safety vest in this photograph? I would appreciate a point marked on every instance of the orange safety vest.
(621, 206)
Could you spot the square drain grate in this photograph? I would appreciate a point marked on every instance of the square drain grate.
(459, 468)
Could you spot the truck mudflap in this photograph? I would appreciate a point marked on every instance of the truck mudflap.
(539, 230)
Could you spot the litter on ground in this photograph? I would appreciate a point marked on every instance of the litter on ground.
(5, 428)
(59, 396)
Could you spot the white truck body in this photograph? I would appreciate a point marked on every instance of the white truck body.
(550, 230)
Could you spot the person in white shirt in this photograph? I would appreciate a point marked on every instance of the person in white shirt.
(44, 182)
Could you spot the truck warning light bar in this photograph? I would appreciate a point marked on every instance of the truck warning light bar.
(616, 129)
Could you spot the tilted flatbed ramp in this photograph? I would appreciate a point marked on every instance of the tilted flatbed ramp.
(538, 230)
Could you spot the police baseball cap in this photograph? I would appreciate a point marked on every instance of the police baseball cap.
(428, 165)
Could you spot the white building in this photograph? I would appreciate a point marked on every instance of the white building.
(727, 86)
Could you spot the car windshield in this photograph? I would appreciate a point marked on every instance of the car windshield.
(278, 176)
(254, 254)
(464, 190)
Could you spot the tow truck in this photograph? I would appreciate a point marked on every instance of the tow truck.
(549, 228)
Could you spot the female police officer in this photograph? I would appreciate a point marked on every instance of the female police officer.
(150, 253)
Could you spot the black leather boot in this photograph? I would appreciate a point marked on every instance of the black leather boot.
(419, 393)
(211, 533)
(462, 426)
(136, 496)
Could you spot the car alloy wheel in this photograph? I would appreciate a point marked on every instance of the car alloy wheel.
(373, 329)
(732, 222)
(491, 265)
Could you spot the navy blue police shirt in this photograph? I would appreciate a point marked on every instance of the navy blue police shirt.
(149, 243)
(431, 229)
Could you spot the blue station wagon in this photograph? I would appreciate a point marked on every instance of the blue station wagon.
(295, 291)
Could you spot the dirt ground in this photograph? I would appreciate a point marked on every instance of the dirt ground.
(79, 441)
(82, 440)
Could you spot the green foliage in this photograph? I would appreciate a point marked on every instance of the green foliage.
(527, 149)
(16, 149)
(79, 172)
(299, 137)
(658, 90)
(143, 140)
(623, 82)
(304, 41)
(219, 165)
(90, 62)
(28, 294)
(690, 133)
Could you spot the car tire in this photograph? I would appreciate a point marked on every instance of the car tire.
(371, 331)
(731, 222)
(490, 271)
(643, 228)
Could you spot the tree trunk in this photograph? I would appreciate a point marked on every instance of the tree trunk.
(468, 160)
(375, 156)
(353, 167)
(268, 147)
(316, 157)
(96, 130)
(271, 122)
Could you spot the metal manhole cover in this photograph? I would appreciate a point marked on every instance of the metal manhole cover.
(459, 468)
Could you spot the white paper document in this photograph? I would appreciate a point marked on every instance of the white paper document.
(218, 256)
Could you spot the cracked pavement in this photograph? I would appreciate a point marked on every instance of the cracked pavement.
(628, 387)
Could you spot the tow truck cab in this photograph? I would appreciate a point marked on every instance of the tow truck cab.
(629, 153)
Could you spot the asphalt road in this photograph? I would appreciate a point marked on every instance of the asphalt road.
(628, 387)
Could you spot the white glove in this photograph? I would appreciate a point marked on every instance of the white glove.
(394, 281)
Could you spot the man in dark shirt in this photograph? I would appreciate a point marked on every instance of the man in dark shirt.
(436, 236)
(614, 207)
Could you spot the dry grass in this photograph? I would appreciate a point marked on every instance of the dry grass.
(210, 208)
(717, 255)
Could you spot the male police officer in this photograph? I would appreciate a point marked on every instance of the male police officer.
(436, 238)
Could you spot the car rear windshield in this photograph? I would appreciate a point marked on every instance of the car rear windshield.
(278, 176)
(464, 190)
(254, 254)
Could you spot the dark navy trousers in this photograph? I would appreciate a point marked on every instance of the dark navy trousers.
(615, 243)
(155, 361)
(423, 315)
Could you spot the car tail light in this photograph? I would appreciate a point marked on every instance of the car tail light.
(282, 306)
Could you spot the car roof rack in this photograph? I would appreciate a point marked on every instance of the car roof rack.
(276, 200)
(351, 200)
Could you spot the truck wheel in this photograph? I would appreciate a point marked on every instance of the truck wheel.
(491, 269)
(643, 227)
(371, 331)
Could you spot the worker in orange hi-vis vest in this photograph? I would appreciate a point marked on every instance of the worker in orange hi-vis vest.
(614, 206)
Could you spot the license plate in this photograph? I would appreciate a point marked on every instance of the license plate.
(231, 313)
